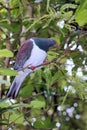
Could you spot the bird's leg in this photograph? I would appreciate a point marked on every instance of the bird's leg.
(33, 67)
(44, 63)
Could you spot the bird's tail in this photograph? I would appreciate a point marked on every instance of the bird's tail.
(15, 87)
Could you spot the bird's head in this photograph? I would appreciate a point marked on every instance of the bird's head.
(45, 43)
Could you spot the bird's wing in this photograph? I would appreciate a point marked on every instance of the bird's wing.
(23, 54)
(37, 56)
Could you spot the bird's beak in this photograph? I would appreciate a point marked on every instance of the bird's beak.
(55, 46)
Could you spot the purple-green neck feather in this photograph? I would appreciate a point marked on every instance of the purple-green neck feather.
(44, 43)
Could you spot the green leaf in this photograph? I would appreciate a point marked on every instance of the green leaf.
(6, 71)
(66, 16)
(81, 17)
(47, 123)
(26, 91)
(6, 53)
(81, 13)
(17, 118)
(3, 122)
(52, 55)
(37, 104)
(4, 103)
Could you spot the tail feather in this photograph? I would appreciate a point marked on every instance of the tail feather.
(16, 84)
(14, 89)
(11, 90)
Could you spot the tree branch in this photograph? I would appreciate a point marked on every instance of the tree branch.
(41, 65)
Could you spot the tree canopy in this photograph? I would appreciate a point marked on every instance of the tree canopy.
(54, 97)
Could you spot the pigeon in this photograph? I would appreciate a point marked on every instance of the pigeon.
(32, 53)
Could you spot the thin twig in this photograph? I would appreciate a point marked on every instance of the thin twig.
(17, 7)
(34, 67)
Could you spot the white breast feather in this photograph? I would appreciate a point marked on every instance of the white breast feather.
(37, 56)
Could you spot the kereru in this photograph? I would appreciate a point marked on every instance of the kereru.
(32, 52)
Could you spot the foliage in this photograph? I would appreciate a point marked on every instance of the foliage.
(53, 97)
